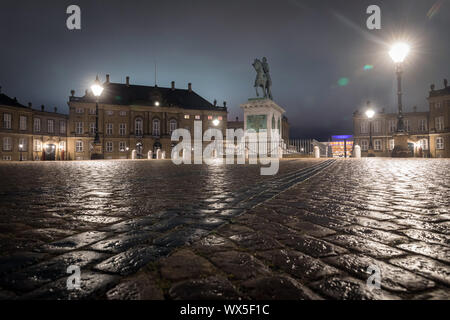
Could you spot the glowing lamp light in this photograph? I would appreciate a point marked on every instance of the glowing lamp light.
(216, 122)
(399, 52)
(370, 113)
(20, 146)
(157, 103)
(96, 88)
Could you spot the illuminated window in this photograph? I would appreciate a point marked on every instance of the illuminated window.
(109, 129)
(23, 143)
(138, 127)
(377, 145)
(392, 125)
(423, 144)
(210, 117)
(440, 143)
(172, 125)
(7, 144)
(122, 129)
(364, 127)
(109, 146)
(110, 113)
(197, 117)
(122, 146)
(37, 125)
(62, 145)
(92, 128)
(156, 131)
(123, 113)
(186, 116)
(364, 145)
(391, 144)
(439, 123)
(220, 118)
(62, 127)
(79, 128)
(407, 126)
(422, 125)
(37, 145)
(79, 146)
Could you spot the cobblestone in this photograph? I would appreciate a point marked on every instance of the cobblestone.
(153, 230)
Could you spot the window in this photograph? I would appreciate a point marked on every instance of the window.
(37, 125)
(197, 117)
(79, 128)
(156, 127)
(92, 111)
(62, 127)
(172, 125)
(79, 110)
(123, 113)
(37, 145)
(391, 144)
(79, 146)
(122, 129)
(110, 113)
(92, 128)
(7, 144)
(392, 125)
(440, 143)
(364, 145)
(422, 125)
(423, 143)
(364, 127)
(377, 126)
(7, 121)
(138, 126)
(407, 126)
(186, 116)
(210, 117)
(50, 126)
(62, 145)
(122, 146)
(439, 123)
(109, 129)
(109, 146)
(23, 143)
(220, 118)
(377, 145)
(23, 123)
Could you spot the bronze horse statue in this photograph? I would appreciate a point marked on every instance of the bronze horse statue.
(262, 78)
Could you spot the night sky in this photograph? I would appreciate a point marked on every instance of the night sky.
(311, 46)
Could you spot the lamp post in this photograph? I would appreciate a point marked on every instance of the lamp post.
(21, 149)
(370, 113)
(97, 90)
(398, 53)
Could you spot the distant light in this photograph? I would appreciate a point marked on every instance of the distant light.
(399, 52)
(20, 146)
(368, 67)
(370, 113)
(216, 122)
(157, 103)
(343, 82)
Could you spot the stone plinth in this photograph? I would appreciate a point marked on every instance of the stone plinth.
(401, 149)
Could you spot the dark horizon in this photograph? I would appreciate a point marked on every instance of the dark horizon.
(310, 47)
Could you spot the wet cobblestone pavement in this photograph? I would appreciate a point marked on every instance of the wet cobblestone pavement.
(153, 230)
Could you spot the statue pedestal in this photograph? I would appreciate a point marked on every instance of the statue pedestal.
(263, 115)
(401, 146)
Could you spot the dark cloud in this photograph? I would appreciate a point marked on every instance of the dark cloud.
(310, 46)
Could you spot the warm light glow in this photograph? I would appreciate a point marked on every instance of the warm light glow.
(96, 88)
(157, 103)
(216, 122)
(20, 146)
(399, 52)
(370, 113)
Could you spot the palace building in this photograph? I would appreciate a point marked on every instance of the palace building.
(29, 134)
(428, 131)
(137, 121)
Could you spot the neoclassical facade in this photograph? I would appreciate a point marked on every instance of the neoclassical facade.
(428, 132)
(137, 121)
(29, 134)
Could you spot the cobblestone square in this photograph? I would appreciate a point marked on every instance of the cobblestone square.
(154, 230)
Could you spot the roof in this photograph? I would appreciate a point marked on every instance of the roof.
(122, 94)
(7, 101)
(441, 92)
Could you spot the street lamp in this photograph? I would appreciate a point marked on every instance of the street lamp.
(370, 114)
(21, 149)
(398, 53)
(97, 90)
(216, 122)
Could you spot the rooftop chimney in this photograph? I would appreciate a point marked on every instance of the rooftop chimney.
(190, 87)
(415, 108)
(383, 110)
(445, 83)
(0, 89)
(224, 104)
(237, 119)
(42, 107)
(86, 91)
(30, 105)
(215, 102)
(56, 110)
(432, 87)
(173, 85)
(107, 78)
(72, 92)
(128, 81)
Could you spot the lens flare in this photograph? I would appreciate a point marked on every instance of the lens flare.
(435, 9)
(343, 82)
(368, 67)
